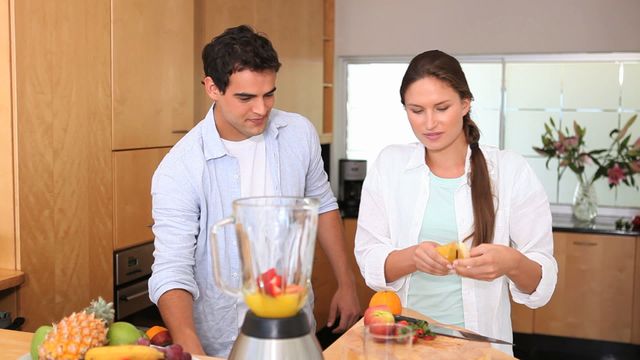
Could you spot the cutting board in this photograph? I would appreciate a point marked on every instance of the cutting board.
(349, 346)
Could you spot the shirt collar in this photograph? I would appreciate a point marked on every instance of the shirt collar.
(417, 159)
(213, 146)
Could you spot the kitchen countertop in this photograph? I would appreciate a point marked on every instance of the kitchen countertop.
(602, 225)
(15, 344)
(10, 278)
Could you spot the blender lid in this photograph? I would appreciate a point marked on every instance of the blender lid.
(276, 328)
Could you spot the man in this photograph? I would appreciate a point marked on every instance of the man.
(241, 148)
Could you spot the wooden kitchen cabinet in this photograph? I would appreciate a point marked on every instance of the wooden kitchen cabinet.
(521, 318)
(635, 330)
(133, 171)
(153, 72)
(594, 295)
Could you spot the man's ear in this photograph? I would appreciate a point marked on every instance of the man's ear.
(211, 89)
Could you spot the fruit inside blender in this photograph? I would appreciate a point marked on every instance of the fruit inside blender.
(274, 299)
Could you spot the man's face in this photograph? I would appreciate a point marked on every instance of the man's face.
(243, 110)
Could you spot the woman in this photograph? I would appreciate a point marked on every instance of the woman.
(449, 188)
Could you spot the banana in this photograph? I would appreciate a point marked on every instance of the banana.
(122, 352)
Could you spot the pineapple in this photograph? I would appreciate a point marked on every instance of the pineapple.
(75, 334)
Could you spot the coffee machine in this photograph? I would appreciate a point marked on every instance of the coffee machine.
(350, 179)
(276, 239)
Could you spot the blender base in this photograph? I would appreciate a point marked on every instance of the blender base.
(303, 347)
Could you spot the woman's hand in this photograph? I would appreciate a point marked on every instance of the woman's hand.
(428, 260)
(488, 262)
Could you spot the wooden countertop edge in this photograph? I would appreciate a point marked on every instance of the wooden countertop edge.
(10, 278)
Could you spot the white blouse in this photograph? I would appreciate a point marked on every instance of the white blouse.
(394, 197)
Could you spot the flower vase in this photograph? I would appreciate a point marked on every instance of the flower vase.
(585, 201)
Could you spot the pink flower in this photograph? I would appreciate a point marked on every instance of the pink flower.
(570, 142)
(615, 174)
(635, 166)
(559, 146)
(585, 159)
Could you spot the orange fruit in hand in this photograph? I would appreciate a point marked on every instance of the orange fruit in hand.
(389, 298)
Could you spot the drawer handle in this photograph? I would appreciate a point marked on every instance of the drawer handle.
(150, 225)
(179, 131)
(133, 272)
(134, 296)
(585, 243)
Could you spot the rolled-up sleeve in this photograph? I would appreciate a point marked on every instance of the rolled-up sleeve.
(531, 232)
(373, 243)
(176, 225)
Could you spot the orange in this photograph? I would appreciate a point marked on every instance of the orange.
(155, 330)
(389, 298)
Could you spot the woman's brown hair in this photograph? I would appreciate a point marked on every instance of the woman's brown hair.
(439, 65)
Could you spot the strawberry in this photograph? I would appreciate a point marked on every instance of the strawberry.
(271, 282)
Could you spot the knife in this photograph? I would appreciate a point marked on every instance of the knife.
(460, 334)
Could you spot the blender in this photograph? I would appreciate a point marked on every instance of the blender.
(276, 240)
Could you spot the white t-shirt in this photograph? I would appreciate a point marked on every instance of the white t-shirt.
(255, 180)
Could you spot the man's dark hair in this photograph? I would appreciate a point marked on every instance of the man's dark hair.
(236, 49)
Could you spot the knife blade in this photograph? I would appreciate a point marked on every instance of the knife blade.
(455, 333)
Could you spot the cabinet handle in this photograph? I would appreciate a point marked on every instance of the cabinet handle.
(179, 131)
(150, 225)
(585, 243)
(134, 296)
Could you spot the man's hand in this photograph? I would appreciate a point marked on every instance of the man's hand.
(345, 303)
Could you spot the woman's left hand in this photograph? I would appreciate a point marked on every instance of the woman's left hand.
(488, 262)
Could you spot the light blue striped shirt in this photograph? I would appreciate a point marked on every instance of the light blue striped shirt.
(193, 188)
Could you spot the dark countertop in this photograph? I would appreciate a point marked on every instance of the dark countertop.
(602, 225)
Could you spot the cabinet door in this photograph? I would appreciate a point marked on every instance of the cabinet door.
(153, 72)
(132, 199)
(593, 297)
(635, 332)
(521, 318)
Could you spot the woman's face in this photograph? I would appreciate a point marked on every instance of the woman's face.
(435, 111)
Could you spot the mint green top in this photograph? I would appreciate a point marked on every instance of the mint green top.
(439, 297)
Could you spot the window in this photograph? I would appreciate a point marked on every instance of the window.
(514, 97)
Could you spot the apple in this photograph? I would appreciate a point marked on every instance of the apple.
(122, 333)
(162, 338)
(38, 338)
(380, 314)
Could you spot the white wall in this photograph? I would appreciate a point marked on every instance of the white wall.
(408, 27)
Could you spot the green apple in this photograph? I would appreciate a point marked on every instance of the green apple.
(122, 333)
(38, 338)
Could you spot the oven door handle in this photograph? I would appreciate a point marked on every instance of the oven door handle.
(134, 296)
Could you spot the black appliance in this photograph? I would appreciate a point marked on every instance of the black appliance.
(132, 269)
(350, 179)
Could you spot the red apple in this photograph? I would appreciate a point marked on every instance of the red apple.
(380, 314)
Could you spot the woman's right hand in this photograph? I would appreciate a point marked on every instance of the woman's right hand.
(428, 260)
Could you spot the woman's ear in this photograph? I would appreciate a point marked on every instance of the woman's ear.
(211, 89)
(466, 106)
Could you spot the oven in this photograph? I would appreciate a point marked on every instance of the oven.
(132, 269)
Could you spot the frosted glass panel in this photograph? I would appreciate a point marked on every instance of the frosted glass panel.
(485, 82)
(591, 85)
(598, 126)
(489, 123)
(631, 86)
(536, 86)
(546, 176)
(524, 128)
(628, 196)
